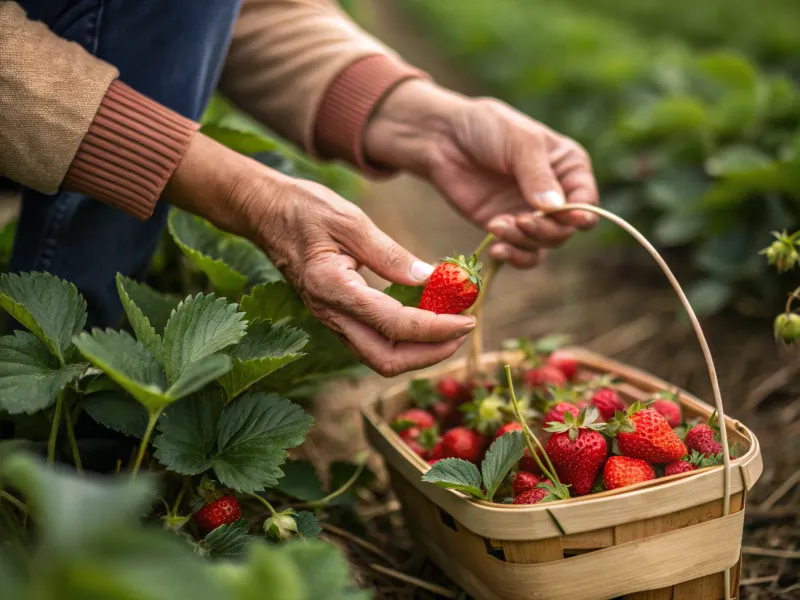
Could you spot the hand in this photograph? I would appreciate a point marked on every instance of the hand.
(318, 241)
(495, 165)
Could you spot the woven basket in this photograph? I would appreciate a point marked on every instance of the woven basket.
(673, 538)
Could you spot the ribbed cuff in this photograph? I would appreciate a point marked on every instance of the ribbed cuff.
(129, 153)
(348, 104)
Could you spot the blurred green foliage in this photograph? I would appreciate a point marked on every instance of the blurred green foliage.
(692, 138)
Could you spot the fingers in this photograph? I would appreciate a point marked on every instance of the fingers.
(528, 231)
(522, 259)
(387, 357)
(377, 251)
(534, 174)
(332, 287)
(573, 167)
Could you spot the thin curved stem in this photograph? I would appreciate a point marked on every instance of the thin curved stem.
(336, 493)
(73, 442)
(265, 503)
(792, 297)
(484, 244)
(151, 423)
(4, 495)
(51, 442)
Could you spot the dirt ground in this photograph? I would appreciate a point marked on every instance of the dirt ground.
(613, 302)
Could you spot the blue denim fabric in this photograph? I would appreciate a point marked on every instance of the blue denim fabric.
(169, 50)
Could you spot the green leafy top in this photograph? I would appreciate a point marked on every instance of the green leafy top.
(586, 418)
(471, 266)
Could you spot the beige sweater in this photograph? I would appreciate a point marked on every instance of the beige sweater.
(299, 66)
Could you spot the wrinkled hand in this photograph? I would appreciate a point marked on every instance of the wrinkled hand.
(495, 165)
(318, 240)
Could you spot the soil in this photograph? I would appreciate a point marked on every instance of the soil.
(611, 301)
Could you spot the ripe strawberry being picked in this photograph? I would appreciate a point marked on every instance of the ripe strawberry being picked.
(545, 376)
(622, 471)
(564, 362)
(461, 442)
(607, 402)
(644, 433)
(215, 507)
(453, 286)
(577, 449)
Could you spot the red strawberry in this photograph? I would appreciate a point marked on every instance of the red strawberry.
(483, 384)
(533, 496)
(546, 375)
(437, 453)
(503, 429)
(463, 443)
(433, 461)
(577, 450)
(221, 511)
(416, 417)
(703, 438)
(447, 414)
(621, 471)
(607, 401)
(644, 433)
(452, 390)
(416, 447)
(564, 362)
(693, 462)
(679, 466)
(528, 464)
(668, 409)
(524, 481)
(453, 286)
(556, 413)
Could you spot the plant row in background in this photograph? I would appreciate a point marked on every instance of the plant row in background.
(700, 150)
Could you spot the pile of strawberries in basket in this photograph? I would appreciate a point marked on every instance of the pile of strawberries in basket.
(586, 438)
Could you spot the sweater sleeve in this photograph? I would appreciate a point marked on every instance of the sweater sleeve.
(304, 69)
(67, 122)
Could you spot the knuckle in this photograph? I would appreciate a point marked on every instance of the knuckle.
(394, 257)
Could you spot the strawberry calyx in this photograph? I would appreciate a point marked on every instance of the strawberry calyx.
(622, 422)
(422, 393)
(702, 461)
(208, 493)
(471, 267)
(556, 491)
(428, 438)
(586, 419)
(281, 525)
(486, 412)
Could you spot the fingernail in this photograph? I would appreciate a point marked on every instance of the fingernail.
(549, 199)
(498, 226)
(499, 253)
(420, 271)
(528, 222)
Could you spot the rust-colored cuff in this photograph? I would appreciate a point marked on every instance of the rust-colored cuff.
(348, 104)
(132, 148)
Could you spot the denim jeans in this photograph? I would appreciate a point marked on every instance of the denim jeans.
(169, 50)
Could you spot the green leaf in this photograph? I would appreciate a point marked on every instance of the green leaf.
(230, 262)
(199, 373)
(273, 301)
(200, 326)
(264, 349)
(255, 431)
(30, 377)
(331, 579)
(128, 363)
(70, 510)
(118, 411)
(51, 308)
(300, 481)
(307, 524)
(737, 159)
(229, 540)
(140, 324)
(407, 295)
(188, 432)
(503, 454)
(155, 306)
(456, 474)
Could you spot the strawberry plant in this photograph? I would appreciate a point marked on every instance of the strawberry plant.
(783, 255)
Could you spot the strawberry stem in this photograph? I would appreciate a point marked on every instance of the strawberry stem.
(484, 245)
(73, 443)
(334, 494)
(265, 503)
(151, 423)
(529, 435)
(51, 442)
(792, 297)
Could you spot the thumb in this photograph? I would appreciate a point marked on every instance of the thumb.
(535, 177)
(381, 254)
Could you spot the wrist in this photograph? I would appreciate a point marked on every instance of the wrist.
(410, 124)
(229, 190)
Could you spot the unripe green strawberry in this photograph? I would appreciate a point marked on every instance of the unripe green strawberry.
(787, 327)
(622, 471)
(453, 286)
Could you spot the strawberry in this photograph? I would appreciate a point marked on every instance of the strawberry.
(503, 429)
(463, 443)
(557, 412)
(669, 410)
(447, 414)
(705, 437)
(414, 417)
(607, 401)
(577, 449)
(437, 453)
(486, 384)
(217, 509)
(485, 413)
(453, 286)
(528, 464)
(537, 494)
(621, 471)
(564, 362)
(678, 466)
(524, 482)
(644, 433)
(694, 461)
(544, 376)
(452, 390)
